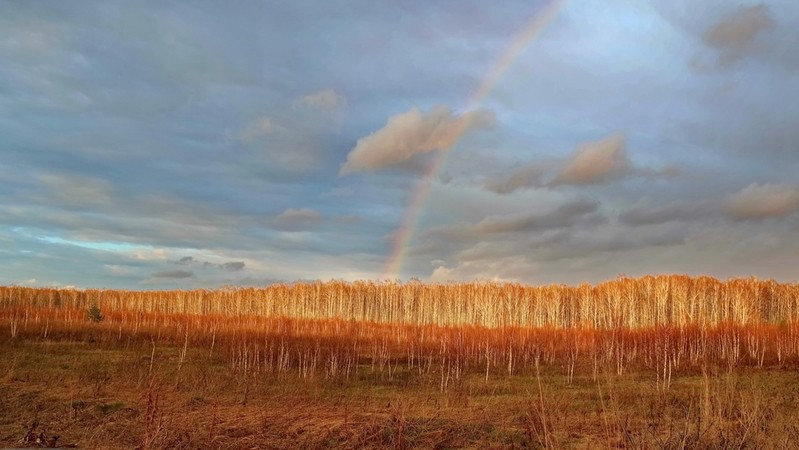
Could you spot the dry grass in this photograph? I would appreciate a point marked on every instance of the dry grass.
(104, 398)
(658, 362)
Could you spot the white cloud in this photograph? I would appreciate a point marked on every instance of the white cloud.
(441, 274)
(763, 201)
(412, 133)
(146, 254)
(501, 269)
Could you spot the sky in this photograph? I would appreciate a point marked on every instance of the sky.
(182, 145)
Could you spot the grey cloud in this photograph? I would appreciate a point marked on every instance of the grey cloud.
(669, 171)
(671, 212)
(623, 242)
(348, 219)
(288, 145)
(189, 128)
(339, 192)
(84, 192)
(413, 133)
(583, 245)
(325, 100)
(735, 35)
(90, 209)
(230, 266)
(508, 234)
(233, 266)
(564, 216)
(526, 177)
(180, 225)
(549, 258)
(173, 274)
(731, 33)
(498, 246)
(262, 126)
(185, 261)
(763, 201)
(591, 163)
(123, 58)
(297, 218)
(596, 162)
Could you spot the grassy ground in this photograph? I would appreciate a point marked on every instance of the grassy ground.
(151, 397)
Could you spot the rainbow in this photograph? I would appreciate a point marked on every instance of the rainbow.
(524, 39)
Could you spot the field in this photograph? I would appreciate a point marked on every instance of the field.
(655, 362)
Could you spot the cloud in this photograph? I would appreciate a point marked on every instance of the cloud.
(260, 127)
(348, 219)
(505, 269)
(735, 36)
(609, 240)
(233, 266)
(172, 274)
(763, 201)
(507, 235)
(442, 274)
(172, 135)
(526, 177)
(412, 133)
(596, 163)
(591, 163)
(672, 212)
(326, 100)
(564, 216)
(230, 266)
(339, 192)
(78, 191)
(297, 140)
(669, 171)
(297, 218)
(186, 261)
